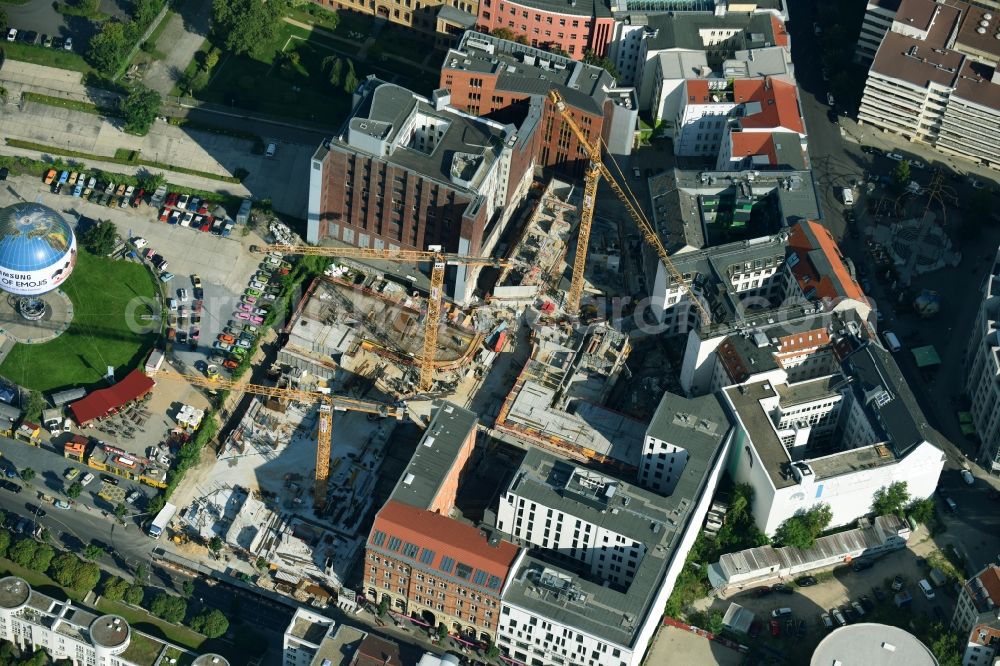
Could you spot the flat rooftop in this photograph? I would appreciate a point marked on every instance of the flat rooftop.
(435, 456)
(808, 391)
(308, 631)
(658, 522)
(340, 646)
(109, 631)
(917, 62)
(865, 643)
(774, 458)
(531, 71)
(14, 592)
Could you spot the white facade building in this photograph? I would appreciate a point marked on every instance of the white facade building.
(878, 19)
(634, 543)
(31, 619)
(880, 438)
(982, 371)
(303, 637)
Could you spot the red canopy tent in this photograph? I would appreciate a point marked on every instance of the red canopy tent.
(105, 402)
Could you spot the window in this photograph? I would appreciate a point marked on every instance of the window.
(480, 577)
(494, 583)
(427, 556)
(379, 538)
(447, 564)
(463, 571)
(410, 550)
(395, 543)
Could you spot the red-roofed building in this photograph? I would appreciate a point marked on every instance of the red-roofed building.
(437, 570)
(769, 131)
(977, 616)
(105, 402)
(818, 266)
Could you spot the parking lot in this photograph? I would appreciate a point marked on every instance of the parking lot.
(41, 16)
(838, 589)
(224, 264)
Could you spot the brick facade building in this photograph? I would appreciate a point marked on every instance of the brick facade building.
(408, 172)
(499, 78)
(574, 28)
(438, 570)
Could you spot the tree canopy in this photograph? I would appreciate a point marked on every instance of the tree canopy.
(212, 623)
(243, 24)
(100, 238)
(591, 58)
(890, 499)
(33, 406)
(109, 46)
(901, 175)
(140, 109)
(170, 608)
(801, 530)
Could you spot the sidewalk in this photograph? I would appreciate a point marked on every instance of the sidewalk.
(867, 135)
(183, 36)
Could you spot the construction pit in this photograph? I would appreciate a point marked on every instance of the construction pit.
(271, 455)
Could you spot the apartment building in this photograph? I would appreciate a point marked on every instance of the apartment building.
(505, 80)
(933, 79)
(316, 640)
(982, 371)
(879, 15)
(552, 24)
(977, 617)
(604, 554)
(410, 172)
(437, 569)
(31, 620)
(834, 440)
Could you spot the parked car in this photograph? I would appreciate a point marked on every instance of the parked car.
(30, 37)
(784, 589)
(895, 157)
(71, 473)
(133, 496)
(826, 620)
(866, 602)
(182, 201)
(968, 478)
(897, 583)
(12, 35)
(68, 44)
(166, 277)
(838, 617)
(87, 478)
(272, 148)
(137, 197)
(107, 478)
(46, 41)
(775, 628)
(62, 504)
(858, 608)
(805, 581)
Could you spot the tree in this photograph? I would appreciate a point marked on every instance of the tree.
(120, 510)
(350, 82)
(27, 474)
(591, 58)
(211, 60)
(145, 11)
(170, 608)
(188, 588)
(921, 511)
(901, 176)
(100, 238)
(74, 490)
(383, 607)
(88, 575)
(42, 558)
(63, 569)
(715, 624)
(108, 47)
(115, 588)
(890, 499)
(23, 552)
(140, 574)
(215, 545)
(503, 33)
(134, 595)
(212, 623)
(33, 407)
(4, 542)
(442, 631)
(801, 530)
(244, 24)
(156, 504)
(151, 181)
(140, 109)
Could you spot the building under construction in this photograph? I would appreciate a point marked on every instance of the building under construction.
(557, 401)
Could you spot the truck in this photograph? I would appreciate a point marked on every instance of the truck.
(162, 519)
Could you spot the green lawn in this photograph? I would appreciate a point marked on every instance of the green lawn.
(298, 89)
(142, 650)
(40, 55)
(154, 626)
(101, 290)
(340, 23)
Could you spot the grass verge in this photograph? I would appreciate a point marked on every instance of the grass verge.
(40, 55)
(75, 105)
(117, 159)
(154, 626)
(102, 291)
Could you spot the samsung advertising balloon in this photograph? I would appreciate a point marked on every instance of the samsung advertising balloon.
(37, 249)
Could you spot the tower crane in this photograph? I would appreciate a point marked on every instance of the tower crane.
(328, 403)
(439, 258)
(595, 169)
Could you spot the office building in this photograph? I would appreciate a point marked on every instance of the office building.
(409, 172)
(572, 28)
(604, 554)
(437, 20)
(834, 440)
(316, 640)
(982, 371)
(437, 570)
(879, 15)
(510, 81)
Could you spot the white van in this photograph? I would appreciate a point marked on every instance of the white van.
(781, 612)
(848, 196)
(891, 341)
(926, 588)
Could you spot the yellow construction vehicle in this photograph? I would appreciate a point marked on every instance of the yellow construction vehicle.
(439, 258)
(595, 169)
(328, 403)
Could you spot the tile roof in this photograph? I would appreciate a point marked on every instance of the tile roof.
(820, 267)
(440, 541)
(780, 33)
(779, 104)
(752, 144)
(109, 400)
